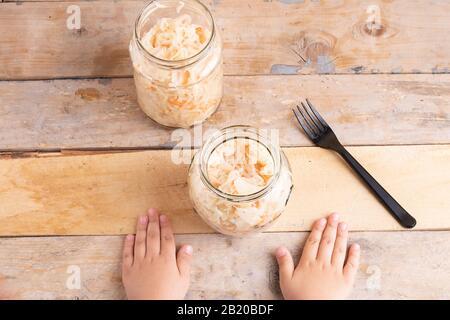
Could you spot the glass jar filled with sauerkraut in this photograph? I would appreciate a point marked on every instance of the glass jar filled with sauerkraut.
(239, 181)
(176, 52)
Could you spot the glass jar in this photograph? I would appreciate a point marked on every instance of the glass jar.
(176, 52)
(239, 181)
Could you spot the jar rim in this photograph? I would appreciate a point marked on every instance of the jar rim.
(181, 63)
(273, 150)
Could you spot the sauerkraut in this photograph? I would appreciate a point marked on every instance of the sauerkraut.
(175, 39)
(185, 92)
(240, 167)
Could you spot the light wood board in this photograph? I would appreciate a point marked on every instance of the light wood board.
(103, 193)
(260, 37)
(102, 114)
(394, 265)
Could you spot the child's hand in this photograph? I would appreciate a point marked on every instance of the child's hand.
(322, 272)
(151, 269)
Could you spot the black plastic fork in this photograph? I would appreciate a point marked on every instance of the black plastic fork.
(323, 136)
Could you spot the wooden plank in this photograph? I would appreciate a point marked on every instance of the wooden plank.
(394, 265)
(99, 114)
(102, 194)
(259, 37)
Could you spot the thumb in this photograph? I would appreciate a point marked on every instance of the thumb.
(285, 264)
(184, 257)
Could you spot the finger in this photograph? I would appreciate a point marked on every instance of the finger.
(184, 258)
(285, 264)
(328, 238)
(312, 243)
(167, 238)
(352, 264)
(139, 242)
(127, 254)
(153, 234)
(340, 246)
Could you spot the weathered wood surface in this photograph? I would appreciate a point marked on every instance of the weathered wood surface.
(99, 114)
(394, 265)
(260, 37)
(103, 193)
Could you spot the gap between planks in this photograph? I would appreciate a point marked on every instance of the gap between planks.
(106, 78)
(103, 194)
(44, 153)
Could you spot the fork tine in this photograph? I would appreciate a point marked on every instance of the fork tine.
(307, 121)
(316, 122)
(322, 121)
(303, 125)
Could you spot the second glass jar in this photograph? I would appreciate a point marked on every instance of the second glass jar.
(177, 86)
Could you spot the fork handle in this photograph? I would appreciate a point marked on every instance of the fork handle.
(400, 214)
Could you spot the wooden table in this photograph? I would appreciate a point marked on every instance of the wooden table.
(79, 159)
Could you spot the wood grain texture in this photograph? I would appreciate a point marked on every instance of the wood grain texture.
(103, 193)
(104, 114)
(394, 265)
(260, 37)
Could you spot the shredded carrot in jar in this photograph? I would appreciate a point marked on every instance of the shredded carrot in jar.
(186, 76)
(177, 102)
(201, 34)
(259, 165)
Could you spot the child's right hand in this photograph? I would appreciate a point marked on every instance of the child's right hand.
(323, 272)
(151, 267)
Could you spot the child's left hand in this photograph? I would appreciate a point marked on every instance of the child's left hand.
(325, 270)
